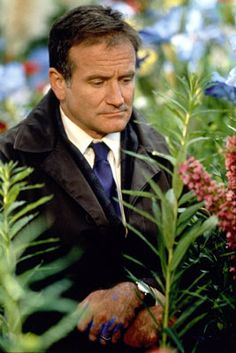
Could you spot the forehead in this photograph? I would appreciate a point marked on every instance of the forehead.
(99, 56)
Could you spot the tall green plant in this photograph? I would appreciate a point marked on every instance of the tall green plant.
(180, 221)
(20, 225)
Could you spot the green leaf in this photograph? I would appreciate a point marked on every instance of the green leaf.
(140, 212)
(169, 158)
(141, 236)
(21, 223)
(12, 193)
(157, 214)
(153, 160)
(186, 198)
(191, 323)
(175, 337)
(186, 215)
(177, 181)
(37, 253)
(169, 214)
(176, 103)
(136, 193)
(20, 173)
(197, 139)
(42, 272)
(231, 127)
(63, 327)
(47, 299)
(189, 237)
(29, 207)
(185, 318)
(132, 259)
(13, 206)
(159, 281)
(27, 234)
(193, 283)
(157, 190)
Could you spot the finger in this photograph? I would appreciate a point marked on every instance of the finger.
(85, 326)
(105, 340)
(89, 327)
(117, 332)
(108, 327)
(153, 349)
(100, 337)
(85, 318)
(106, 331)
(94, 333)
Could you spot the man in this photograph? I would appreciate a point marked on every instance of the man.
(92, 54)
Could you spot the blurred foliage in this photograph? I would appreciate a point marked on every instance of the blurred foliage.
(20, 227)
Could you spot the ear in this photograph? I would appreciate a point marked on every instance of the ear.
(57, 83)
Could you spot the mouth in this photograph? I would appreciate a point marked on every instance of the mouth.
(116, 113)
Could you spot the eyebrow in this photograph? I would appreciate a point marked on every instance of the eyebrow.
(105, 77)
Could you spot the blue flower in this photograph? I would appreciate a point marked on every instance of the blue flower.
(39, 56)
(164, 27)
(12, 78)
(223, 88)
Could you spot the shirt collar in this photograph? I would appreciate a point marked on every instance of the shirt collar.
(82, 140)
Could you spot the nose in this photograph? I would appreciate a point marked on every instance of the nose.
(115, 95)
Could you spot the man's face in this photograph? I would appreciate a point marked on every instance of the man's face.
(100, 94)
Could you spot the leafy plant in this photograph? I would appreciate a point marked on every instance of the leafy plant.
(20, 226)
(182, 223)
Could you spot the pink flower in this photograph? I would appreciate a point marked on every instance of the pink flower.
(218, 199)
(198, 180)
(230, 162)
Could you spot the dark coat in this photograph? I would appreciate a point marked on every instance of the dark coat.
(78, 213)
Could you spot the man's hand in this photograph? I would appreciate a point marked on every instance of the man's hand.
(109, 312)
(144, 330)
(161, 350)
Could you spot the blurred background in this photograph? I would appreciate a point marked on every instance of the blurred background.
(180, 37)
(186, 68)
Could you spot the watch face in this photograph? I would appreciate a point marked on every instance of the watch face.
(149, 299)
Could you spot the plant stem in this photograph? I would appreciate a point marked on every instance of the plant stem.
(167, 298)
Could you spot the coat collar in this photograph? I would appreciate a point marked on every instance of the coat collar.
(39, 134)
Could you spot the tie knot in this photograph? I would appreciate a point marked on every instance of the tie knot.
(101, 150)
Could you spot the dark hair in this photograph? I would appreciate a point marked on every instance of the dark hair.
(88, 24)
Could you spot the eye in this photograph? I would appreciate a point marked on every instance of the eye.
(97, 82)
(127, 79)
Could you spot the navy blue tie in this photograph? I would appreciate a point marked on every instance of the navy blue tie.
(103, 171)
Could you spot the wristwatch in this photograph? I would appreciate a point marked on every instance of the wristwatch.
(149, 296)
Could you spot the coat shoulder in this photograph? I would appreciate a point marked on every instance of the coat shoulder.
(148, 136)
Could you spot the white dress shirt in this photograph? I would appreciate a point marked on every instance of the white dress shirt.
(82, 141)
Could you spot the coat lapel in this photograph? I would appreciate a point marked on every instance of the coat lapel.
(139, 168)
(40, 136)
(72, 180)
(143, 171)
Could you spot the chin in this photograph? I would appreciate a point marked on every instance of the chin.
(118, 127)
